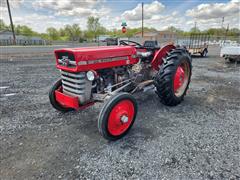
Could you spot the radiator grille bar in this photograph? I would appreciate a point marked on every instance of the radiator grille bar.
(73, 82)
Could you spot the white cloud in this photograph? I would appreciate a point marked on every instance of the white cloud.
(202, 24)
(64, 4)
(110, 22)
(13, 3)
(162, 22)
(84, 12)
(3, 10)
(73, 7)
(149, 11)
(38, 22)
(57, 13)
(215, 10)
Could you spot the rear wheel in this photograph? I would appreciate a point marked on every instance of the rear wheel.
(231, 60)
(57, 86)
(204, 53)
(173, 78)
(117, 116)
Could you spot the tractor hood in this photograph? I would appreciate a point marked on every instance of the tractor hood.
(87, 58)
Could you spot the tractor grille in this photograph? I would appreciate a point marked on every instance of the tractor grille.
(76, 84)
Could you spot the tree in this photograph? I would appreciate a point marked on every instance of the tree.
(175, 30)
(76, 31)
(17, 29)
(52, 33)
(73, 32)
(93, 26)
(62, 32)
(130, 32)
(234, 32)
(102, 30)
(24, 30)
(3, 26)
(195, 30)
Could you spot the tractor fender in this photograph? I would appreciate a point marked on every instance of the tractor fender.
(160, 54)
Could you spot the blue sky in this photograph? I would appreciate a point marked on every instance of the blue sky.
(41, 14)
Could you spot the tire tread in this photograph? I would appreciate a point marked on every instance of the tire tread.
(164, 78)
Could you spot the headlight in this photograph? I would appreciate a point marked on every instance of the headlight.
(90, 75)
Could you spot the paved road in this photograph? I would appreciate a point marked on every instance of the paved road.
(16, 50)
(198, 139)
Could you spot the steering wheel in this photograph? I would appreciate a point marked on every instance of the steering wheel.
(130, 43)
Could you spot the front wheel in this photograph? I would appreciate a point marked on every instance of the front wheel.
(173, 78)
(117, 116)
(57, 86)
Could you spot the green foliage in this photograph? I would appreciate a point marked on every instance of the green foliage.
(73, 32)
(3, 26)
(175, 30)
(102, 30)
(94, 29)
(53, 33)
(62, 32)
(195, 30)
(223, 31)
(44, 36)
(24, 30)
(129, 33)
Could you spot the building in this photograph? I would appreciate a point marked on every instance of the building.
(6, 38)
(160, 36)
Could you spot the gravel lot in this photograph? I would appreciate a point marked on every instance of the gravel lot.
(198, 139)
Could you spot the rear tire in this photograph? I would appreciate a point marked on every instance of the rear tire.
(53, 100)
(231, 60)
(204, 53)
(170, 86)
(117, 116)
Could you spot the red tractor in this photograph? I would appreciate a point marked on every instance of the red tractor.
(112, 74)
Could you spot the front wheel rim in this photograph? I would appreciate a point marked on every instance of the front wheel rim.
(181, 78)
(121, 117)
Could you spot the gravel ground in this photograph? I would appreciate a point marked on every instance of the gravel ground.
(198, 139)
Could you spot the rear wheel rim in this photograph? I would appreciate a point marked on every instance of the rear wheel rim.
(181, 78)
(121, 117)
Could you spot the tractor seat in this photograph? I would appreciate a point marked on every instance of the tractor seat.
(151, 45)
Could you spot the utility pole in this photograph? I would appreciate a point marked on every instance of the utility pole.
(226, 33)
(195, 26)
(142, 19)
(10, 17)
(222, 21)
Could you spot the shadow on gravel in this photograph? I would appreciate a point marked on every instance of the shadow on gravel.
(234, 63)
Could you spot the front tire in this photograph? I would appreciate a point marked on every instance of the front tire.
(117, 116)
(173, 78)
(53, 101)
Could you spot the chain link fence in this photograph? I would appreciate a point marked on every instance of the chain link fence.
(9, 42)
